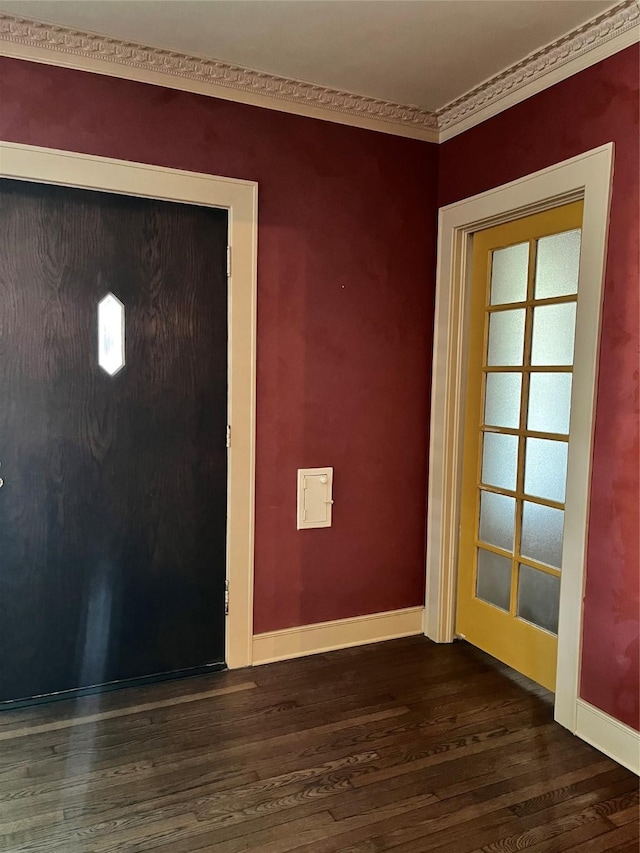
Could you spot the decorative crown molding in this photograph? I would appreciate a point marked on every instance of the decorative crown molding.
(36, 34)
(614, 22)
(603, 35)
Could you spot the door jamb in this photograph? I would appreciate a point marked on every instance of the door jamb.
(586, 176)
(66, 168)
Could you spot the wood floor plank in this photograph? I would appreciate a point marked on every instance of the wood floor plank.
(99, 716)
(494, 767)
(595, 837)
(403, 746)
(40, 820)
(551, 831)
(625, 815)
(594, 789)
(95, 800)
(438, 819)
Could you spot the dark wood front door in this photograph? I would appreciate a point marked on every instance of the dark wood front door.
(113, 507)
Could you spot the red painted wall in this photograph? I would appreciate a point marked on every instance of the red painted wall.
(596, 106)
(346, 270)
(345, 311)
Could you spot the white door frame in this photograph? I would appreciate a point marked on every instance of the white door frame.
(587, 176)
(240, 198)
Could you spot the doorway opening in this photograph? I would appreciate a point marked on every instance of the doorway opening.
(236, 201)
(584, 178)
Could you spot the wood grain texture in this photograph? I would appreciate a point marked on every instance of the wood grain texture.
(404, 746)
(113, 511)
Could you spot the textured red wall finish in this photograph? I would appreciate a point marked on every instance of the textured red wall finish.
(598, 105)
(345, 302)
(346, 263)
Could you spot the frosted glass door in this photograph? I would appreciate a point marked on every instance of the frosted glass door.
(519, 393)
(530, 327)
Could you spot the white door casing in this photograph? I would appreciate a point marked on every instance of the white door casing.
(586, 176)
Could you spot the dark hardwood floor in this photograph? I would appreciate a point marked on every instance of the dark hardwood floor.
(402, 746)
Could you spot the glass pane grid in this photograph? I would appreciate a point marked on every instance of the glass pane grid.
(517, 557)
(541, 567)
(527, 433)
(512, 493)
(495, 549)
(532, 354)
(500, 587)
(528, 303)
(528, 368)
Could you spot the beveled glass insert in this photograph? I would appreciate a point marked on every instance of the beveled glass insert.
(545, 468)
(509, 269)
(554, 329)
(502, 399)
(111, 334)
(493, 583)
(500, 460)
(497, 520)
(539, 598)
(506, 337)
(542, 530)
(557, 265)
(549, 402)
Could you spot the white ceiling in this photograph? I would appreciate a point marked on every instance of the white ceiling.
(419, 52)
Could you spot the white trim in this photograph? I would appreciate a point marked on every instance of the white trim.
(35, 41)
(615, 739)
(44, 165)
(338, 634)
(588, 175)
(602, 36)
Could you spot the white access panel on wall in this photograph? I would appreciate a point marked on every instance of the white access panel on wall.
(315, 497)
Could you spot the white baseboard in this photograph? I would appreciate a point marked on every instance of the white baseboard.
(615, 739)
(339, 634)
